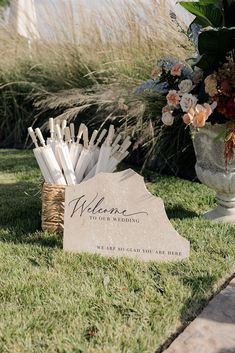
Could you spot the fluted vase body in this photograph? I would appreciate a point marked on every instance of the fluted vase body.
(211, 171)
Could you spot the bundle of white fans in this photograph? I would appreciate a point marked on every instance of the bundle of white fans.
(64, 160)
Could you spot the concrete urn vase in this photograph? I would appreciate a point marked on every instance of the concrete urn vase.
(210, 170)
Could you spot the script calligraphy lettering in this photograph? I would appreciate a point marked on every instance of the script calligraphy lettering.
(96, 206)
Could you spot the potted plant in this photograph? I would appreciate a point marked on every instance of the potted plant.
(201, 93)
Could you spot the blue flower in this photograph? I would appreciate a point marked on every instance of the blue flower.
(151, 85)
(168, 62)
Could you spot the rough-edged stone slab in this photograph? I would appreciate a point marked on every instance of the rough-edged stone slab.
(213, 331)
(115, 215)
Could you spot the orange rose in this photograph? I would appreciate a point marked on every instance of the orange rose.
(208, 109)
(200, 114)
(199, 119)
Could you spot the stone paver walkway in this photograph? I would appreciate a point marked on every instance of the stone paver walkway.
(213, 331)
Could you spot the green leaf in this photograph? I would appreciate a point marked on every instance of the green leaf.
(216, 3)
(213, 46)
(192, 61)
(228, 136)
(205, 62)
(216, 43)
(229, 13)
(4, 2)
(229, 2)
(207, 12)
(221, 136)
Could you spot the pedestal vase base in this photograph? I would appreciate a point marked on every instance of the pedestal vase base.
(221, 214)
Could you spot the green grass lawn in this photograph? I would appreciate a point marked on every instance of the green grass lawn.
(52, 301)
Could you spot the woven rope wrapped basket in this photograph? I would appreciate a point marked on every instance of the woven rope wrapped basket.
(53, 197)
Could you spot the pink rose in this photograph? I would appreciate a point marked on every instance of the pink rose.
(187, 119)
(173, 98)
(176, 70)
(166, 109)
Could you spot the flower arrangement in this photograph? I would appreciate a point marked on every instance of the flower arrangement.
(219, 88)
(202, 90)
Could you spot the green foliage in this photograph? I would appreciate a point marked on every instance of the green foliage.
(229, 13)
(214, 45)
(207, 12)
(52, 301)
(126, 55)
(214, 13)
(4, 2)
(20, 85)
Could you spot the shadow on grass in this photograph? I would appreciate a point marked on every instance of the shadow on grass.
(225, 311)
(195, 305)
(20, 216)
(16, 160)
(179, 212)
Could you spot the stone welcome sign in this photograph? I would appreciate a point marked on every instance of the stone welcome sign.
(113, 214)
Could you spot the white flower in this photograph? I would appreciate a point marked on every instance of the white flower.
(185, 86)
(167, 119)
(187, 101)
